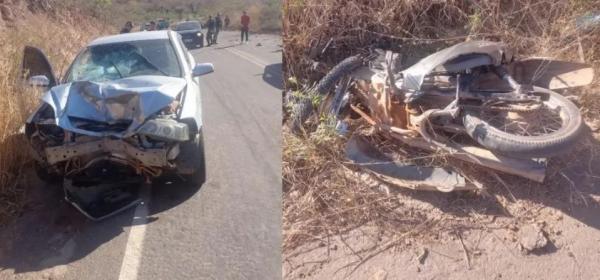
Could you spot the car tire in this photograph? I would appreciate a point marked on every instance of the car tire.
(45, 175)
(196, 147)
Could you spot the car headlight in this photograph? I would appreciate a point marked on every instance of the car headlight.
(165, 130)
(199, 34)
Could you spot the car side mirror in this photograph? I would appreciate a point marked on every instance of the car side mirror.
(203, 69)
(39, 81)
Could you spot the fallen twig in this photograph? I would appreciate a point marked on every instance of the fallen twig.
(577, 191)
(389, 245)
(512, 196)
(467, 258)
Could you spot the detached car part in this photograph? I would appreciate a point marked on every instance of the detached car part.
(366, 156)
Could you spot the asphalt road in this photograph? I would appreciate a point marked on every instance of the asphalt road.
(228, 228)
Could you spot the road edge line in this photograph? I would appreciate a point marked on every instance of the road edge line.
(135, 240)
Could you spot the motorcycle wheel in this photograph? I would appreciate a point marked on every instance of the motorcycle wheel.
(548, 131)
(303, 108)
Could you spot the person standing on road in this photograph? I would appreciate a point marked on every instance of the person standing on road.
(226, 22)
(211, 30)
(245, 20)
(127, 28)
(218, 26)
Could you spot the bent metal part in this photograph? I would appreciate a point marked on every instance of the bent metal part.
(449, 94)
(117, 148)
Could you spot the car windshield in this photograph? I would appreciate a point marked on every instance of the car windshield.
(122, 60)
(190, 25)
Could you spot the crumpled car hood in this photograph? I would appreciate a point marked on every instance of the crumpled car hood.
(130, 100)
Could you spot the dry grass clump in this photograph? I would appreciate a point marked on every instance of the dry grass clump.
(416, 28)
(323, 195)
(60, 37)
(265, 14)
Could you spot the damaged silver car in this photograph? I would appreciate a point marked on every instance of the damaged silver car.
(127, 111)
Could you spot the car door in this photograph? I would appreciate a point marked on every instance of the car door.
(36, 63)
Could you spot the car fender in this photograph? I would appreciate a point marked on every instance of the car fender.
(191, 110)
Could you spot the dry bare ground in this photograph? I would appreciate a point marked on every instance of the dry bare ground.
(60, 34)
(341, 223)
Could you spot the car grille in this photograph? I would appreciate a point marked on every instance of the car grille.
(96, 126)
(189, 36)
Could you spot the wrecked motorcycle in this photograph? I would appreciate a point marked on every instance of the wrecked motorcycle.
(127, 112)
(476, 88)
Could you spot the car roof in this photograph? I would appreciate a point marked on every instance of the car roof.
(129, 37)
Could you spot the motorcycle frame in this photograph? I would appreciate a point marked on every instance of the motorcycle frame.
(401, 121)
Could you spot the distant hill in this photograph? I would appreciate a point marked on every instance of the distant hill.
(265, 14)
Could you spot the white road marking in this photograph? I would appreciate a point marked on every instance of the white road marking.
(255, 60)
(135, 240)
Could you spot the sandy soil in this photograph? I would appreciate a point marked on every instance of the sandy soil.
(512, 231)
(572, 252)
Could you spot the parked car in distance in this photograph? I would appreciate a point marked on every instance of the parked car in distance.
(191, 34)
(162, 24)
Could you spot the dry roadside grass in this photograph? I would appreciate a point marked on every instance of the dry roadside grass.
(324, 196)
(265, 14)
(60, 36)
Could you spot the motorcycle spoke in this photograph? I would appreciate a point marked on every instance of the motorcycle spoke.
(538, 122)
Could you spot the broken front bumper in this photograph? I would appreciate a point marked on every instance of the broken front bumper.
(103, 177)
(117, 148)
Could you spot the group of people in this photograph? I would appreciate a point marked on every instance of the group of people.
(214, 26)
(150, 26)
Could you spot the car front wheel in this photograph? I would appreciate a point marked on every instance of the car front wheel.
(46, 175)
(195, 149)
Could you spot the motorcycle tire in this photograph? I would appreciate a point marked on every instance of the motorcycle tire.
(303, 108)
(521, 146)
